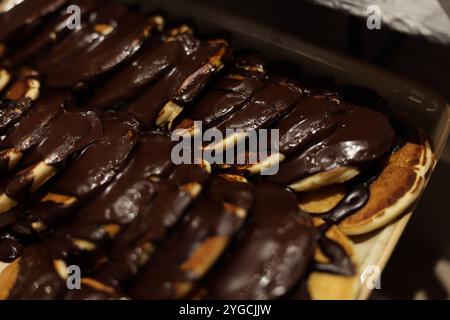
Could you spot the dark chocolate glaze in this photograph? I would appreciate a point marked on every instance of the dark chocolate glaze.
(362, 136)
(127, 253)
(100, 162)
(51, 33)
(67, 135)
(124, 199)
(208, 220)
(90, 293)
(30, 128)
(130, 33)
(356, 198)
(37, 278)
(80, 42)
(340, 262)
(267, 106)
(273, 253)
(94, 168)
(12, 111)
(121, 201)
(25, 15)
(181, 85)
(10, 248)
(150, 65)
(230, 92)
(311, 120)
(133, 187)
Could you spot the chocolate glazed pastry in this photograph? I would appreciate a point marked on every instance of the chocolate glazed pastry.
(104, 158)
(100, 221)
(67, 135)
(273, 254)
(164, 101)
(128, 36)
(136, 244)
(311, 120)
(200, 240)
(265, 108)
(29, 131)
(228, 93)
(51, 33)
(362, 136)
(36, 277)
(18, 100)
(12, 111)
(122, 201)
(101, 23)
(24, 16)
(153, 62)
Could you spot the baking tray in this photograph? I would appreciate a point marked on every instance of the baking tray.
(421, 105)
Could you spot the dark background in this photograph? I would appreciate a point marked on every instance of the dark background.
(420, 266)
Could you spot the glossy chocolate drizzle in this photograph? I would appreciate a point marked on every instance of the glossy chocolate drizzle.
(357, 195)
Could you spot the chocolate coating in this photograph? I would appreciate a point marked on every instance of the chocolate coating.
(130, 33)
(94, 168)
(92, 294)
(37, 278)
(151, 64)
(30, 128)
(209, 220)
(182, 84)
(228, 94)
(362, 136)
(81, 42)
(50, 34)
(10, 248)
(273, 253)
(12, 111)
(266, 107)
(128, 253)
(133, 187)
(25, 15)
(67, 135)
(311, 121)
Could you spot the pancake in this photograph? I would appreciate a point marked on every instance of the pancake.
(397, 187)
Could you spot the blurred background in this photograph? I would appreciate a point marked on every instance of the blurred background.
(414, 41)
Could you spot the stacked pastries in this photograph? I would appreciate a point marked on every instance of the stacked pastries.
(87, 177)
